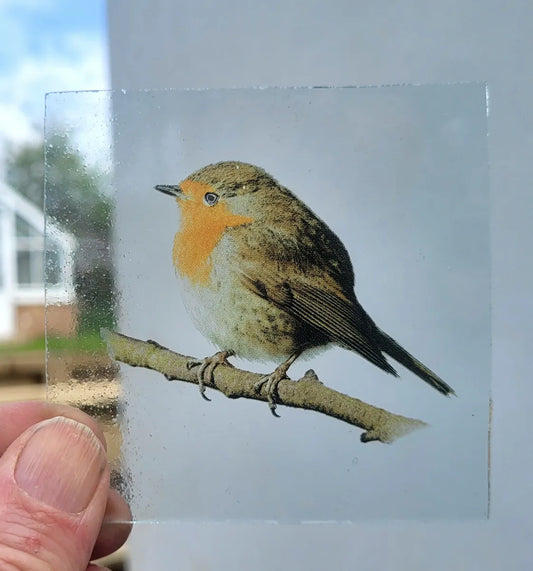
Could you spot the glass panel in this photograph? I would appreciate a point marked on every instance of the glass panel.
(23, 228)
(80, 294)
(36, 261)
(30, 267)
(399, 174)
(24, 276)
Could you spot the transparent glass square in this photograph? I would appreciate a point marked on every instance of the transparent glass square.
(399, 174)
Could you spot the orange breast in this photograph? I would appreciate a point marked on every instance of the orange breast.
(201, 229)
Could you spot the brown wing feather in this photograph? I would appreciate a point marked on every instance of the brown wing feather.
(340, 321)
(307, 273)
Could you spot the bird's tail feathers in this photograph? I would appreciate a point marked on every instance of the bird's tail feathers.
(389, 346)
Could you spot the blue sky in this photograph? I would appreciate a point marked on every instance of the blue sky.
(47, 45)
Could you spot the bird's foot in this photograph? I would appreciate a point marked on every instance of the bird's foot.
(271, 382)
(206, 368)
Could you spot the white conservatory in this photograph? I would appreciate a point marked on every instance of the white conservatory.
(22, 276)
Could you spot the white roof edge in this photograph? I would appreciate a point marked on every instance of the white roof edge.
(33, 215)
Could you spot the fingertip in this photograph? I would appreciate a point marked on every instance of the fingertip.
(16, 417)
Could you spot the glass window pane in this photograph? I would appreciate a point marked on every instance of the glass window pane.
(30, 268)
(23, 267)
(37, 276)
(24, 229)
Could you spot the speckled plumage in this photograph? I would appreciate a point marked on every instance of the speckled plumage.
(264, 277)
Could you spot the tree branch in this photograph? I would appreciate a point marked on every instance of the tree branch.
(308, 393)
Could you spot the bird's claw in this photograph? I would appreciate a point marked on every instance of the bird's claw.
(273, 380)
(207, 367)
(270, 382)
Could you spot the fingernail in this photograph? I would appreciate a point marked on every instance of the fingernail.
(61, 464)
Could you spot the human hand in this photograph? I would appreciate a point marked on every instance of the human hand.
(54, 490)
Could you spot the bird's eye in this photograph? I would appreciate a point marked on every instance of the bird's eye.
(210, 198)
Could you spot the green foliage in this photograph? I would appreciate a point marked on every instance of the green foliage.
(74, 201)
(95, 294)
(25, 172)
(73, 196)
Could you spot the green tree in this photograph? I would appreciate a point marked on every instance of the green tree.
(73, 189)
(74, 200)
(25, 171)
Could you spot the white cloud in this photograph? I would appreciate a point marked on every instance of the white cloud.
(36, 60)
(81, 64)
(15, 125)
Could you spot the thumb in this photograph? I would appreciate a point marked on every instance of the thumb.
(54, 482)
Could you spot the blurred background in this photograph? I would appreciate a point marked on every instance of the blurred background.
(48, 46)
(53, 45)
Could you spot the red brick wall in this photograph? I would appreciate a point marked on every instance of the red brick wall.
(30, 321)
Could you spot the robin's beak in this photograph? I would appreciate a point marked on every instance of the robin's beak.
(172, 190)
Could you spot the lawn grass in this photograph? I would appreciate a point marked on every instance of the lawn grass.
(85, 342)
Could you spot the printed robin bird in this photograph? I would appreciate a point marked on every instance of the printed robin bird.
(265, 279)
